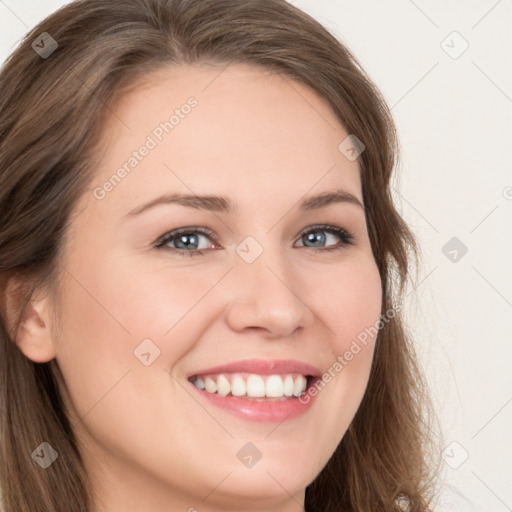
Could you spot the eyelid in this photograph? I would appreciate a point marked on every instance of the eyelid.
(188, 229)
(346, 237)
(337, 230)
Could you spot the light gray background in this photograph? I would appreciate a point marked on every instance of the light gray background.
(454, 117)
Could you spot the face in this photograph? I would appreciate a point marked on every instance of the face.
(264, 280)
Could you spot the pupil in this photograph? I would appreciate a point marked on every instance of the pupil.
(182, 240)
(317, 236)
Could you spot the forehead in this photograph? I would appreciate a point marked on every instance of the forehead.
(219, 128)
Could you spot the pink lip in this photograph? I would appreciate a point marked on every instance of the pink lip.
(262, 367)
(265, 411)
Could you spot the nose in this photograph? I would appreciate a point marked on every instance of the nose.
(266, 296)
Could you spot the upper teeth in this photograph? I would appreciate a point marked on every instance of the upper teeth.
(252, 385)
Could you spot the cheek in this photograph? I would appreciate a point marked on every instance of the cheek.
(113, 308)
(110, 310)
(349, 299)
(114, 311)
(351, 308)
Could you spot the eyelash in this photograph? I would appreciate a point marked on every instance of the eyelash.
(161, 243)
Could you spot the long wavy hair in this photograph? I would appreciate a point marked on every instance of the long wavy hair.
(52, 107)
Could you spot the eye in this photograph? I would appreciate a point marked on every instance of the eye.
(186, 241)
(314, 235)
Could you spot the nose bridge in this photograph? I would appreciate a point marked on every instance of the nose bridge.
(264, 290)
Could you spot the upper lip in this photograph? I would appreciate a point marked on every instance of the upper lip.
(262, 367)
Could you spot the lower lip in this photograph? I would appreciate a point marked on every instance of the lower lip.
(268, 411)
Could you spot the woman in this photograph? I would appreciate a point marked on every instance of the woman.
(170, 339)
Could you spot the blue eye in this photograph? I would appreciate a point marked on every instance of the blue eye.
(185, 241)
(312, 235)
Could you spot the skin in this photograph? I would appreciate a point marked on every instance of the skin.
(265, 142)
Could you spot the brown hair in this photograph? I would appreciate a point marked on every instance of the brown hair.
(51, 111)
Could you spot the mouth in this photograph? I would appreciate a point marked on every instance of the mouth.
(258, 390)
(254, 387)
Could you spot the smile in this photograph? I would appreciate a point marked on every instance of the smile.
(257, 389)
(253, 386)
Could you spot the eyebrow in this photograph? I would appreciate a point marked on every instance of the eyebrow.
(223, 204)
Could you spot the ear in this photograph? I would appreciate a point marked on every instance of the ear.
(34, 335)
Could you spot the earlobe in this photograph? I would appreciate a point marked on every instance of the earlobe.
(33, 336)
